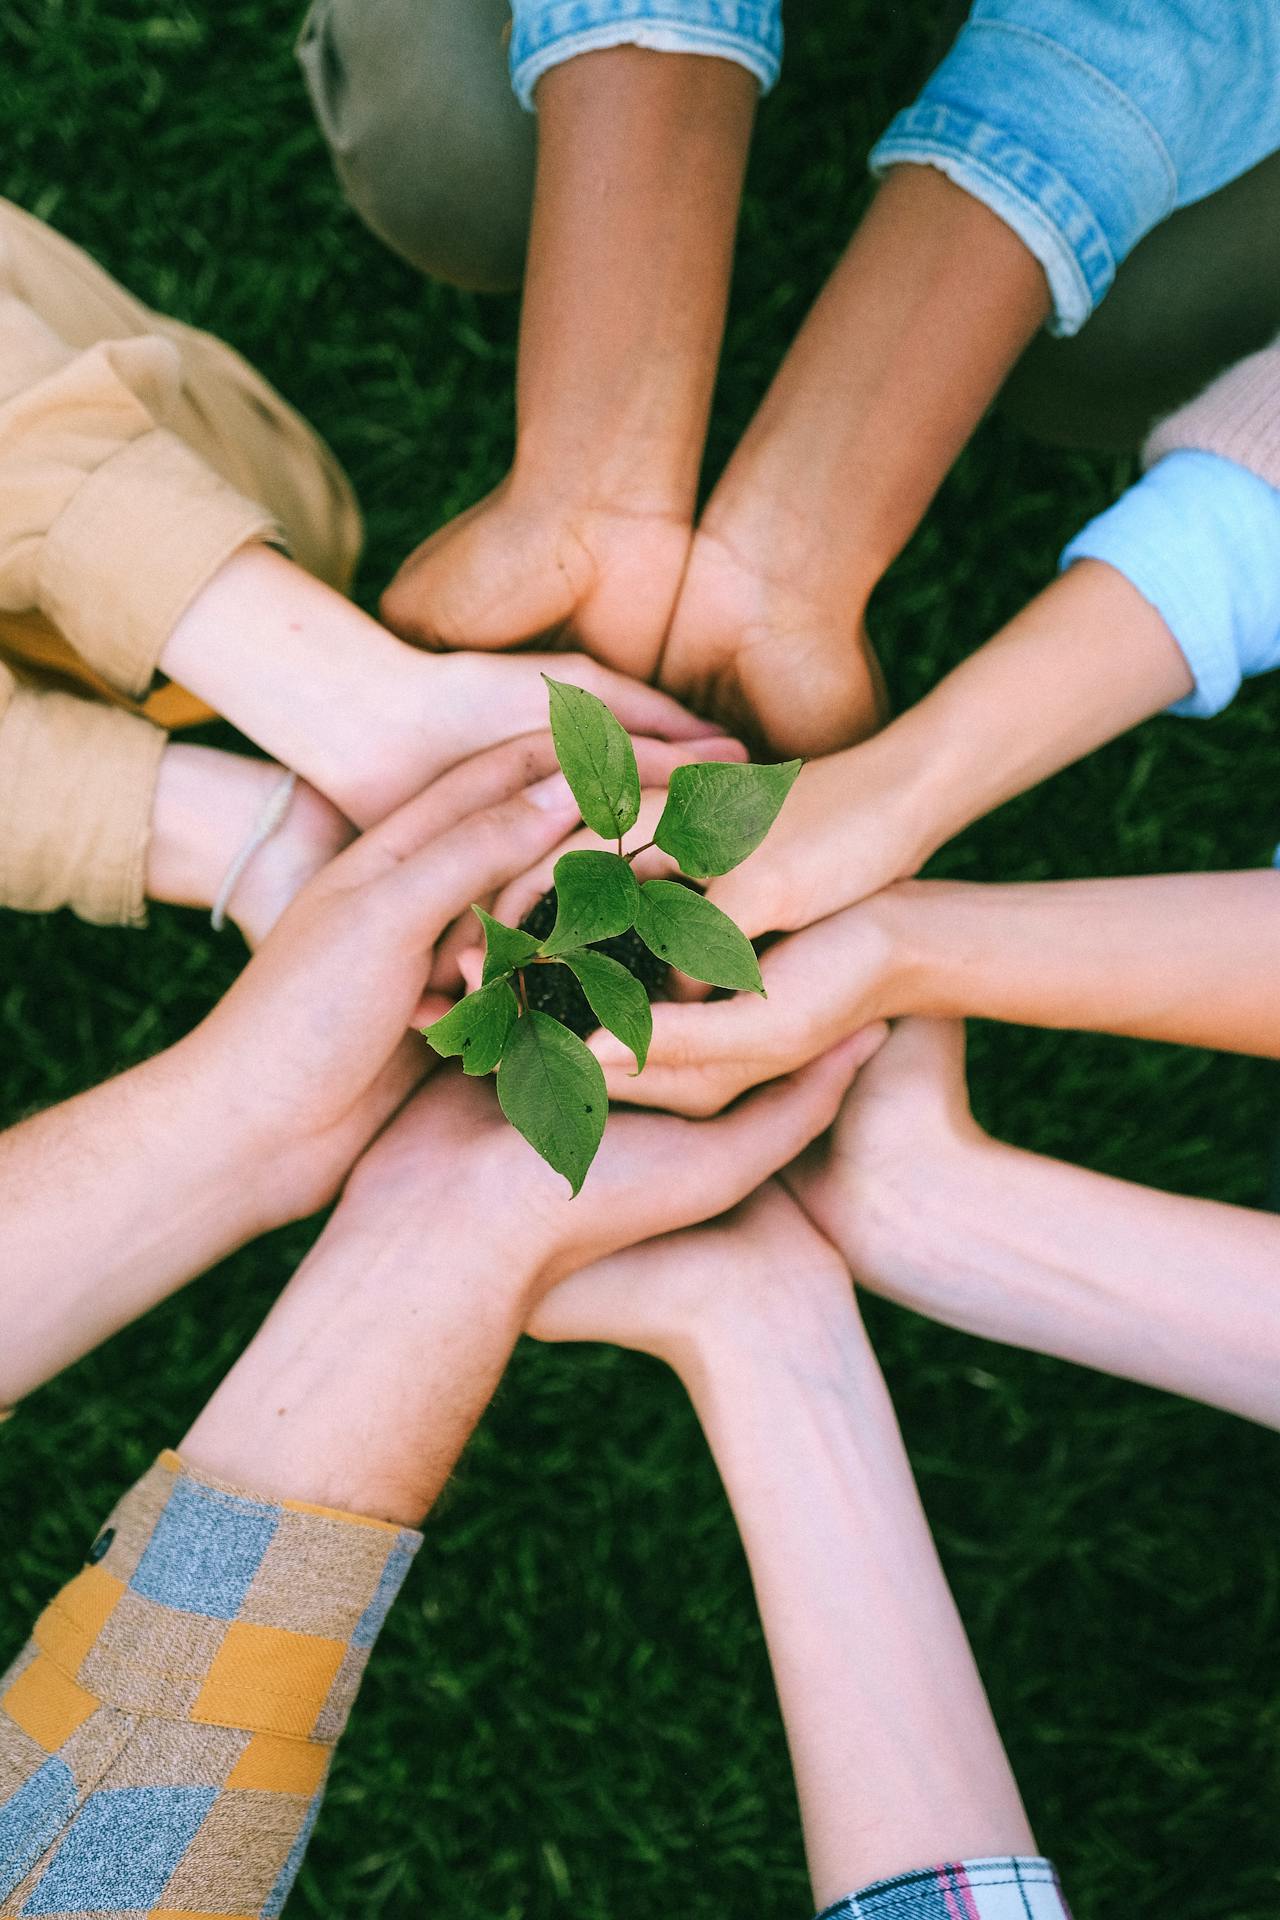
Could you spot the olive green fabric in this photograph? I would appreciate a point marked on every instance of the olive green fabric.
(429, 144)
(1200, 292)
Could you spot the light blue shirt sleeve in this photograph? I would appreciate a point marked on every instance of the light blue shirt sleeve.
(1084, 123)
(1199, 537)
(545, 32)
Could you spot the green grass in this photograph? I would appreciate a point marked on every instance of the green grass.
(571, 1711)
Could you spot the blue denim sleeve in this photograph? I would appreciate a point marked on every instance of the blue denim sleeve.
(545, 32)
(1199, 537)
(1084, 123)
(1008, 1887)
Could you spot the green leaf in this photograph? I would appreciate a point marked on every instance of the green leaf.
(477, 1029)
(552, 1091)
(596, 898)
(596, 758)
(617, 999)
(689, 933)
(505, 948)
(718, 813)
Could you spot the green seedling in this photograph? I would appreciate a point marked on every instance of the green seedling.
(550, 1086)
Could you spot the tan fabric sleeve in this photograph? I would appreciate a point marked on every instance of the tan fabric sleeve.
(1238, 416)
(77, 784)
(109, 524)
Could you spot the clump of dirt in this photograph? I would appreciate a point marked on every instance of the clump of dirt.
(554, 990)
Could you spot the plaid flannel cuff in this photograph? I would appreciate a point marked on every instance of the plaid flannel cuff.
(166, 1733)
(1004, 1888)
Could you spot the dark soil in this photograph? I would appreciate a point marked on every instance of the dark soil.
(554, 990)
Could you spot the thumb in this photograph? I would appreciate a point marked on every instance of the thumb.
(476, 857)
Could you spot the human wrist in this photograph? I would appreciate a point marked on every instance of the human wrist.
(569, 468)
(206, 805)
(941, 298)
(916, 975)
(236, 1156)
(774, 1361)
(775, 498)
(359, 1345)
(306, 675)
(799, 1327)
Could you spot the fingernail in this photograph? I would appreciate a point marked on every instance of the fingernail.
(553, 794)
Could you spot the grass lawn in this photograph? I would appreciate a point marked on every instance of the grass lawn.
(571, 1711)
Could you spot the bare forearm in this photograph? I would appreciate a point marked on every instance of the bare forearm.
(1083, 663)
(1187, 958)
(1156, 1287)
(366, 1380)
(298, 669)
(640, 164)
(901, 354)
(1087, 660)
(109, 1203)
(873, 1670)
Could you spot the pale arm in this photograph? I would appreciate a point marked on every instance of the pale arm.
(1088, 659)
(113, 1200)
(873, 1670)
(365, 719)
(1175, 1292)
(1189, 958)
(898, 1763)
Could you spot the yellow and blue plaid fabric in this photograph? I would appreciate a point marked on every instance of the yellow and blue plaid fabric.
(166, 1733)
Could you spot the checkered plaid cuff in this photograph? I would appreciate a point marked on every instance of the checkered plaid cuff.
(1006, 1888)
(166, 1733)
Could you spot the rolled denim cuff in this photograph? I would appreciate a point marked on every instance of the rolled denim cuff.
(1007, 1887)
(1199, 537)
(546, 32)
(1051, 144)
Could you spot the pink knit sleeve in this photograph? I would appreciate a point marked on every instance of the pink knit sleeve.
(1237, 416)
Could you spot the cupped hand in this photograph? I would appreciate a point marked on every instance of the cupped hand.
(459, 954)
(881, 1184)
(824, 984)
(309, 1052)
(653, 1174)
(527, 563)
(752, 645)
(852, 823)
(762, 1271)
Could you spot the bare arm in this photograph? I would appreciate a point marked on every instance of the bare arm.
(365, 719)
(108, 1203)
(1175, 1292)
(897, 1760)
(901, 354)
(1085, 661)
(640, 164)
(111, 1201)
(1188, 957)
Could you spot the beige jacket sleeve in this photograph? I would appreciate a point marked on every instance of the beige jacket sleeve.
(77, 781)
(109, 527)
(109, 524)
(1237, 416)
